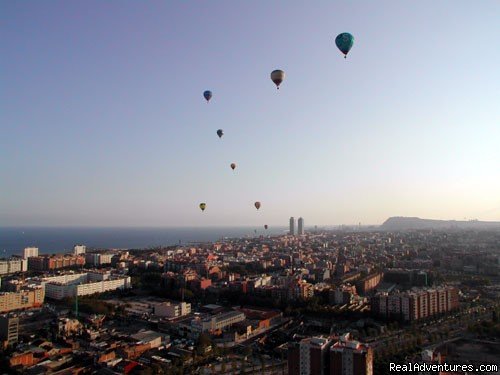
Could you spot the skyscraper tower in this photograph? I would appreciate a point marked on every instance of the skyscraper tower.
(300, 230)
(292, 226)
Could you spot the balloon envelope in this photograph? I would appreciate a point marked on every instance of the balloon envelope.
(233, 166)
(257, 205)
(277, 76)
(344, 42)
(207, 95)
(202, 206)
(220, 133)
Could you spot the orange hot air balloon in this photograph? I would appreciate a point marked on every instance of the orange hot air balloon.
(233, 166)
(257, 205)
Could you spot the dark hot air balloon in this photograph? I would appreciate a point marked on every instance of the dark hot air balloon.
(233, 166)
(344, 43)
(257, 205)
(265, 227)
(207, 95)
(277, 76)
(203, 206)
(220, 133)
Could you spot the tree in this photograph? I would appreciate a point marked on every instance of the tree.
(247, 351)
(203, 342)
(243, 366)
(262, 364)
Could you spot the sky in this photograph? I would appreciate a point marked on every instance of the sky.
(103, 121)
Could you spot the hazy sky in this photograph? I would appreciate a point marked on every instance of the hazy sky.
(103, 121)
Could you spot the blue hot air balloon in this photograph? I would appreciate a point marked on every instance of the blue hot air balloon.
(344, 43)
(207, 95)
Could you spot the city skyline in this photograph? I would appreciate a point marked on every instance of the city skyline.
(104, 121)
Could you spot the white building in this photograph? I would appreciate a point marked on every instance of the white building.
(172, 310)
(155, 339)
(70, 285)
(13, 265)
(79, 249)
(30, 252)
(216, 322)
(300, 230)
(292, 226)
(98, 259)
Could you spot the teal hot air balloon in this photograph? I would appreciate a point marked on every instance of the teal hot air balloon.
(207, 95)
(344, 43)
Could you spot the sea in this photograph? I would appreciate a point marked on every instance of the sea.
(53, 240)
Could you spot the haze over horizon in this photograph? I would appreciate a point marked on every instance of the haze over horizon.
(103, 122)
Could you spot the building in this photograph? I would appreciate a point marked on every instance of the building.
(300, 229)
(172, 310)
(9, 330)
(13, 265)
(48, 263)
(98, 259)
(30, 252)
(342, 295)
(350, 357)
(292, 226)
(309, 357)
(82, 284)
(24, 299)
(369, 283)
(151, 338)
(79, 249)
(217, 322)
(416, 304)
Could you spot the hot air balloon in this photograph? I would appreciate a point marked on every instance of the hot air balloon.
(277, 76)
(202, 206)
(265, 227)
(344, 43)
(233, 166)
(220, 133)
(257, 205)
(207, 95)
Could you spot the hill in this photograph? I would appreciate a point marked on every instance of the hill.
(409, 223)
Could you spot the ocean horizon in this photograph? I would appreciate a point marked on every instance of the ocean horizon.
(62, 239)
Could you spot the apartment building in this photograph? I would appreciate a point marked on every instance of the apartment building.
(350, 357)
(416, 304)
(12, 266)
(81, 284)
(9, 330)
(30, 297)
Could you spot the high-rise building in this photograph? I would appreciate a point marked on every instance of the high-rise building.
(300, 229)
(292, 226)
(79, 249)
(309, 357)
(9, 330)
(350, 357)
(30, 252)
